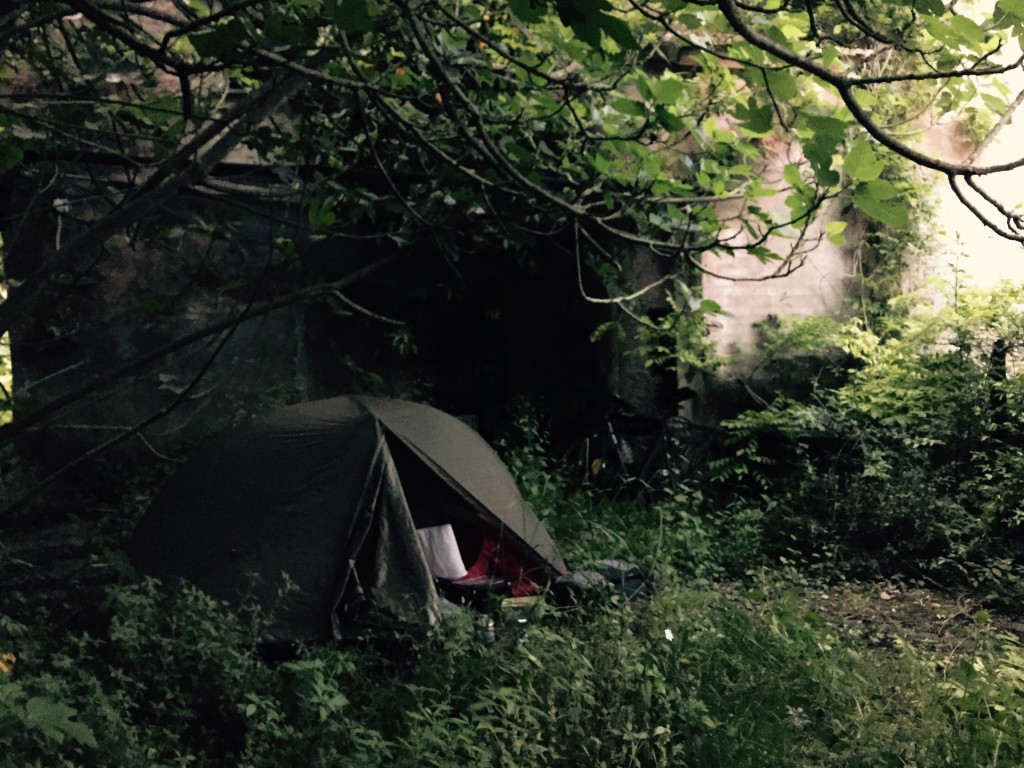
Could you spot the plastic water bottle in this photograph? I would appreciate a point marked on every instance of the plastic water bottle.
(486, 626)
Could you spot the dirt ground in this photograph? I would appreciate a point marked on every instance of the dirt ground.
(929, 620)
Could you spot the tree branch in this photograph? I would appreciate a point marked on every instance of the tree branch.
(22, 423)
(189, 166)
(846, 87)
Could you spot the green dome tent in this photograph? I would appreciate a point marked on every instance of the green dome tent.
(336, 495)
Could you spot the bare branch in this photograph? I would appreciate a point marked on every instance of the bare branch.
(189, 166)
(26, 421)
(954, 182)
(124, 435)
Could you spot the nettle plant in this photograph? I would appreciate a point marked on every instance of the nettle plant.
(909, 465)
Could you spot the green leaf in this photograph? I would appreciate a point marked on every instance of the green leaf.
(825, 135)
(353, 15)
(967, 29)
(601, 163)
(956, 32)
(321, 215)
(619, 31)
(626, 106)
(668, 120)
(829, 56)
(995, 103)
(725, 136)
(589, 18)
(1013, 8)
(880, 190)
(782, 84)
(284, 31)
(799, 203)
(834, 232)
(222, 42)
(529, 11)
(941, 32)
(667, 89)
(791, 173)
(862, 164)
(11, 156)
(754, 117)
(53, 719)
(877, 200)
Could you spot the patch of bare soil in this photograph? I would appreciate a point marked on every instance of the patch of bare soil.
(928, 620)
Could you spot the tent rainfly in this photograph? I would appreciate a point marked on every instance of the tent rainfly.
(364, 506)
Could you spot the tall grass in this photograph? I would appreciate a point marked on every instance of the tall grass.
(689, 678)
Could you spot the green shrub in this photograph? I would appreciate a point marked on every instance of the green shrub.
(910, 467)
(698, 674)
(689, 678)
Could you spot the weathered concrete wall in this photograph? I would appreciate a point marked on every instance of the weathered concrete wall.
(816, 281)
(964, 244)
(964, 249)
(748, 293)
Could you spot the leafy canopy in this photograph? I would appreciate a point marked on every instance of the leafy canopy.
(581, 129)
(477, 126)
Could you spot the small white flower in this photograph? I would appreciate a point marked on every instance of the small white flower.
(669, 636)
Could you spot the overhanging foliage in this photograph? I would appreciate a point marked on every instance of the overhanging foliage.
(581, 128)
(472, 125)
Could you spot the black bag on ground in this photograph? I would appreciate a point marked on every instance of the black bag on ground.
(617, 579)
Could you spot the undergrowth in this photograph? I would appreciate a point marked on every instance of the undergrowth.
(698, 675)
(906, 464)
(707, 671)
(690, 678)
